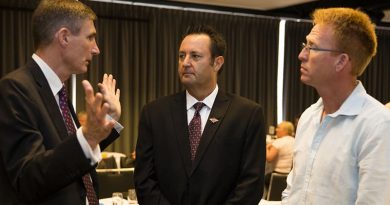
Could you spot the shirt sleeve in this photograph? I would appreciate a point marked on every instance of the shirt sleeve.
(117, 126)
(93, 154)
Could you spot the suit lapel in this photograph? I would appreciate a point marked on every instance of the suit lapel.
(48, 98)
(214, 121)
(53, 109)
(179, 115)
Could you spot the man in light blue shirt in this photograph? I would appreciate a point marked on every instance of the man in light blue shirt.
(343, 141)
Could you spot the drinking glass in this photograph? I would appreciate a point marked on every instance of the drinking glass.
(117, 198)
(132, 197)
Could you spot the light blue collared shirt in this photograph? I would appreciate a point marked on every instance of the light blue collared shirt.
(205, 111)
(343, 159)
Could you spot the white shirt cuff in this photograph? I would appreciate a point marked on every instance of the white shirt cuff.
(94, 155)
(117, 126)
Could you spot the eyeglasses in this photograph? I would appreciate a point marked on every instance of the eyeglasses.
(309, 48)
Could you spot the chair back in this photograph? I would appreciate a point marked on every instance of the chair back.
(276, 186)
(117, 156)
(107, 163)
(115, 181)
(127, 162)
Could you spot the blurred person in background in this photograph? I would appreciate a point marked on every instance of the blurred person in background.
(280, 151)
(388, 105)
(82, 116)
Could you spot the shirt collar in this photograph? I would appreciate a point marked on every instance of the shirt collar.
(208, 101)
(353, 105)
(51, 77)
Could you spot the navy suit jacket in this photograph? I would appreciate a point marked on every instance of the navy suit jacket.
(39, 162)
(229, 164)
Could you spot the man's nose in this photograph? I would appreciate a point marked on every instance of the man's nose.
(95, 49)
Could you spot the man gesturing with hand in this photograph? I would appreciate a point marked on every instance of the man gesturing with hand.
(45, 156)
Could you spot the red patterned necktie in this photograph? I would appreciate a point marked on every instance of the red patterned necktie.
(63, 101)
(195, 129)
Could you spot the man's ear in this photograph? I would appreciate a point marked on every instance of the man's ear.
(218, 62)
(62, 36)
(342, 62)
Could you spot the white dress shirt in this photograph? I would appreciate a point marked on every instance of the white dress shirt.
(55, 86)
(343, 159)
(205, 111)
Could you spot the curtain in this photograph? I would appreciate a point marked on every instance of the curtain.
(123, 35)
(250, 67)
(15, 38)
(376, 77)
(297, 96)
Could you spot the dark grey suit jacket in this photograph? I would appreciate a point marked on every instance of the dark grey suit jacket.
(39, 162)
(229, 164)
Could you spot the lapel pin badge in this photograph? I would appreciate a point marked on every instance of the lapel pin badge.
(214, 120)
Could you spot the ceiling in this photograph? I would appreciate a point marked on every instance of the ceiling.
(248, 4)
(379, 10)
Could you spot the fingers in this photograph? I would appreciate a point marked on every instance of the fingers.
(88, 89)
(94, 102)
(111, 95)
(109, 82)
(97, 126)
(105, 76)
(118, 94)
(107, 86)
(97, 104)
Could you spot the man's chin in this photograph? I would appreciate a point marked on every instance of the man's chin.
(187, 83)
(307, 81)
(304, 80)
(186, 79)
(83, 70)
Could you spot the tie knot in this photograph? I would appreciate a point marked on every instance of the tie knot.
(62, 93)
(198, 106)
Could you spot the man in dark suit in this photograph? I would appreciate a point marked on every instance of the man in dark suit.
(226, 166)
(43, 158)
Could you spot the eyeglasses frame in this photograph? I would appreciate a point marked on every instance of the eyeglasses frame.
(309, 48)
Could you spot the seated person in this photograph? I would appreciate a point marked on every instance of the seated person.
(107, 163)
(280, 151)
(82, 116)
(111, 160)
(128, 161)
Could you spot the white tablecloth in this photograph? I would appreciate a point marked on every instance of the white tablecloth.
(265, 202)
(108, 201)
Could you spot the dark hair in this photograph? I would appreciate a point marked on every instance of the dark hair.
(218, 44)
(51, 15)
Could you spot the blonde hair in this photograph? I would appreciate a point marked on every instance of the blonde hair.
(354, 33)
(288, 126)
(388, 105)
